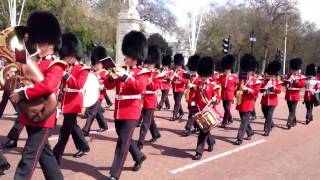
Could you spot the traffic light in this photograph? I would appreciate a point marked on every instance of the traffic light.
(226, 45)
(281, 56)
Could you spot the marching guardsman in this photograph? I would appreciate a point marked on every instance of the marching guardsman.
(178, 86)
(248, 90)
(228, 83)
(72, 97)
(150, 96)
(312, 86)
(130, 84)
(98, 55)
(189, 92)
(270, 89)
(165, 84)
(294, 83)
(43, 30)
(205, 93)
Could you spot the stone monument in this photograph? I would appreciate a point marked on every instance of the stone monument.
(128, 19)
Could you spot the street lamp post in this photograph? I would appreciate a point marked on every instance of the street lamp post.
(252, 40)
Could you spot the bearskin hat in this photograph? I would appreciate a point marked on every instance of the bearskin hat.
(273, 67)
(71, 46)
(98, 53)
(295, 63)
(318, 70)
(248, 63)
(228, 62)
(311, 70)
(178, 59)
(193, 62)
(167, 60)
(43, 27)
(135, 45)
(154, 55)
(206, 66)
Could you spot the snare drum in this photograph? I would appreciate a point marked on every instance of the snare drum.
(207, 119)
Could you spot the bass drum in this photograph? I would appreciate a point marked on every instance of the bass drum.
(91, 90)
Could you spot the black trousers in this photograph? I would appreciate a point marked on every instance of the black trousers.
(309, 106)
(245, 126)
(177, 103)
(227, 117)
(108, 100)
(190, 121)
(125, 144)
(202, 138)
(268, 114)
(37, 149)
(15, 131)
(148, 123)
(68, 127)
(164, 99)
(95, 112)
(292, 106)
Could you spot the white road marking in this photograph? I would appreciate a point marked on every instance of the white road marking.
(218, 156)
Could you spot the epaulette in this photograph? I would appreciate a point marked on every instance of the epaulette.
(58, 61)
(143, 71)
(85, 67)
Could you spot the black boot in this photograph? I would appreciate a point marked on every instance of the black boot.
(9, 144)
(210, 148)
(137, 165)
(198, 156)
(238, 142)
(4, 167)
(81, 153)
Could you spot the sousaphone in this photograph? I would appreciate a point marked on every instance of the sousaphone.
(20, 70)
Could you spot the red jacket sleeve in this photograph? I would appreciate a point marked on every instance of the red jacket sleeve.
(299, 84)
(48, 85)
(109, 82)
(78, 83)
(138, 83)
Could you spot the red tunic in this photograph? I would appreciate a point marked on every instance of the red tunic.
(191, 85)
(270, 98)
(294, 87)
(128, 103)
(248, 98)
(72, 101)
(312, 85)
(228, 86)
(52, 71)
(165, 83)
(207, 89)
(179, 82)
(150, 95)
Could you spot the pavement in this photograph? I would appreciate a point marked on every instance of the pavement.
(284, 155)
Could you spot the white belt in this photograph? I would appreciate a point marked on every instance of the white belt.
(310, 90)
(294, 89)
(126, 97)
(150, 92)
(72, 90)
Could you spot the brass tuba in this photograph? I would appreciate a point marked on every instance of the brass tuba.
(15, 75)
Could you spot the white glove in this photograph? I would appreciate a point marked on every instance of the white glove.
(120, 72)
